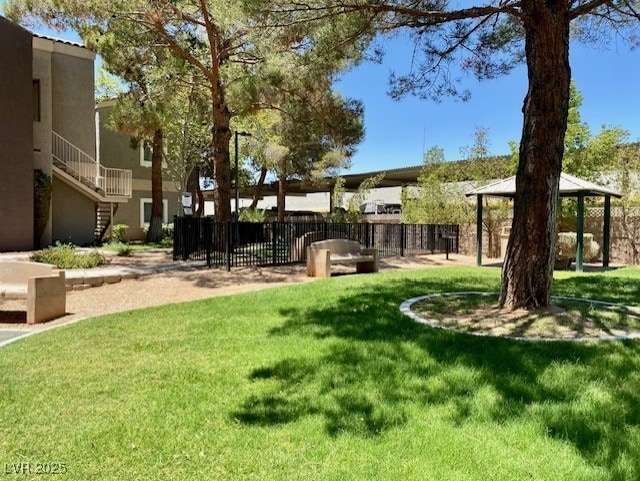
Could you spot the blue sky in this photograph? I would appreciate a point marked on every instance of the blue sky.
(397, 132)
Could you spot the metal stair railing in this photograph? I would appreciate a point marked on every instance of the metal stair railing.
(113, 182)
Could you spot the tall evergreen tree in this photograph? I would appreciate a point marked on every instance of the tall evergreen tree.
(488, 39)
(244, 64)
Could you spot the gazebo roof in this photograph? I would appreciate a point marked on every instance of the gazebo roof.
(570, 186)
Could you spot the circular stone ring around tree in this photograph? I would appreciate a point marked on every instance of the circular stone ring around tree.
(558, 323)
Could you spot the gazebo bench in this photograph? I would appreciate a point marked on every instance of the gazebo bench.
(42, 285)
(320, 256)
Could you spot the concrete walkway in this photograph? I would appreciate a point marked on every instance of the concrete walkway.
(151, 279)
(81, 279)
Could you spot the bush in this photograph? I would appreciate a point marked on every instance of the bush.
(567, 242)
(41, 204)
(64, 256)
(122, 249)
(252, 215)
(118, 231)
(167, 234)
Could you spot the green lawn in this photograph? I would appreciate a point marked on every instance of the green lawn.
(326, 380)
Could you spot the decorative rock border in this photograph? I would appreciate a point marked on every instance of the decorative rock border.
(405, 308)
(81, 279)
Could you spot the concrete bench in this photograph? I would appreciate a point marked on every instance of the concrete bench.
(320, 256)
(563, 262)
(42, 285)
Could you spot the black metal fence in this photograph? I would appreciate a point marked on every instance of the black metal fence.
(275, 243)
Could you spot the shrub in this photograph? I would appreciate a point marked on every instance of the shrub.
(567, 243)
(41, 204)
(167, 231)
(64, 256)
(252, 215)
(118, 231)
(122, 249)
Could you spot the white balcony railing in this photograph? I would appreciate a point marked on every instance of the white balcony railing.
(114, 182)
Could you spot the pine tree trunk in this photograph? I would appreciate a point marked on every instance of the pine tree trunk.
(527, 274)
(221, 162)
(154, 234)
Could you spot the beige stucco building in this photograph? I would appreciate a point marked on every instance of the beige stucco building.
(50, 128)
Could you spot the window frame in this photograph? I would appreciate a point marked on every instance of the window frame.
(165, 210)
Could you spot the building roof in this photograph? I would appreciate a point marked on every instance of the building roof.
(392, 178)
(570, 186)
(59, 40)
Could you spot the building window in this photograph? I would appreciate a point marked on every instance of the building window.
(36, 100)
(145, 211)
(146, 151)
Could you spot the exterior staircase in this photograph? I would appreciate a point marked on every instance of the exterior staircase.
(106, 186)
(102, 183)
(103, 218)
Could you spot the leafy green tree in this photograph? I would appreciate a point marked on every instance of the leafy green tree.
(309, 136)
(439, 199)
(187, 138)
(481, 168)
(151, 75)
(357, 198)
(245, 65)
(622, 169)
(108, 86)
(488, 39)
(576, 140)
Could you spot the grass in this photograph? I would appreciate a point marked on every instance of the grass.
(134, 247)
(326, 380)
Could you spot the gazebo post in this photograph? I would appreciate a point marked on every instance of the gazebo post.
(606, 234)
(479, 231)
(580, 234)
(569, 186)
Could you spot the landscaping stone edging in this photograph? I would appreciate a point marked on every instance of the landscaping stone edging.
(405, 308)
(81, 279)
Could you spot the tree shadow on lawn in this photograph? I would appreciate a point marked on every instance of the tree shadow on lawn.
(377, 363)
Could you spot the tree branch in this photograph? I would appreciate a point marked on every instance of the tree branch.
(586, 8)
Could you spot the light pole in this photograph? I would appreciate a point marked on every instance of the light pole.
(237, 134)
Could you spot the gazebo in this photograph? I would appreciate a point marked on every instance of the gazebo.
(570, 186)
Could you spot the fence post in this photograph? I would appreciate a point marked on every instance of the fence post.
(186, 228)
(208, 238)
(176, 233)
(274, 242)
(402, 234)
(432, 237)
(227, 244)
